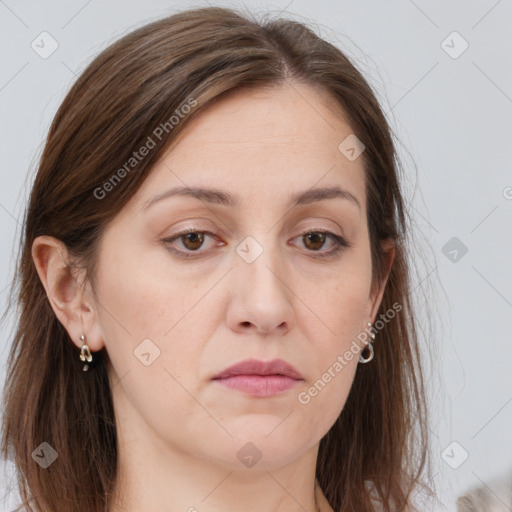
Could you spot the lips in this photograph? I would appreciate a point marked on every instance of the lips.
(259, 379)
(262, 368)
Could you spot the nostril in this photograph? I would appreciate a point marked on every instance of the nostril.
(246, 324)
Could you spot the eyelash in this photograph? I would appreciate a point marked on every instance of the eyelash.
(340, 243)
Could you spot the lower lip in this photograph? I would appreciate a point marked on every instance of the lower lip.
(259, 385)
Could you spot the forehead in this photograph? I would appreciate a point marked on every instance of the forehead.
(262, 142)
(297, 116)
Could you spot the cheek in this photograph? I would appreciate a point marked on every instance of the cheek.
(142, 298)
(340, 303)
(154, 335)
(341, 309)
(334, 361)
(323, 399)
(145, 308)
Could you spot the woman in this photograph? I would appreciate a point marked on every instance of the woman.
(216, 235)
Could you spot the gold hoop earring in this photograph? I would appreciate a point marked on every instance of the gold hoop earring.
(369, 346)
(85, 353)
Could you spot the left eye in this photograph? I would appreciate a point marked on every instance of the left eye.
(316, 240)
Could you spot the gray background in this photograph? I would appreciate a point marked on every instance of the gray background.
(451, 112)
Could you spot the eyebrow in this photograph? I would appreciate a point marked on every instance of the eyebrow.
(220, 197)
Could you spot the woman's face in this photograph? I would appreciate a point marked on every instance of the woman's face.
(247, 282)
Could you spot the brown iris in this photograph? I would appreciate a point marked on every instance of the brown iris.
(314, 241)
(193, 241)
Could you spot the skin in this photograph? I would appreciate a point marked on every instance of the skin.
(179, 432)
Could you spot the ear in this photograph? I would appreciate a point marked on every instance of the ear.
(70, 296)
(388, 246)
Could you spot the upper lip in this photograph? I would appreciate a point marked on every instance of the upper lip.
(256, 367)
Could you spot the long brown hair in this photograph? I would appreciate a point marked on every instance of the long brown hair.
(133, 87)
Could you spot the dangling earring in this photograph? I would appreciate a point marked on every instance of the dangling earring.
(85, 353)
(369, 346)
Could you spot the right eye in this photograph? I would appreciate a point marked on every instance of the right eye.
(191, 240)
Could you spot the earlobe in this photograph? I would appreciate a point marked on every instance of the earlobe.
(68, 298)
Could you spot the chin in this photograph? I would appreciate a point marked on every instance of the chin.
(265, 445)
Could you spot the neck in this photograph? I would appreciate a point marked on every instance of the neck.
(201, 487)
(154, 476)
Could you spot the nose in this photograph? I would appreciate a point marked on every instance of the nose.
(261, 298)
